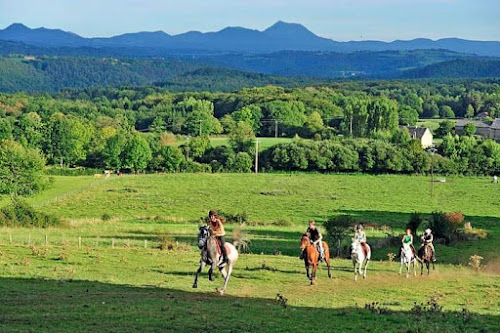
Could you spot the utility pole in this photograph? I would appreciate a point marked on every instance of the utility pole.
(275, 128)
(433, 150)
(350, 126)
(256, 156)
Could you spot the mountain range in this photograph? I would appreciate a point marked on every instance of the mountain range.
(281, 36)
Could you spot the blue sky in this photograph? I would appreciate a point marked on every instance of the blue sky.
(337, 19)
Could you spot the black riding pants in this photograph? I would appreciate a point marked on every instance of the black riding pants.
(222, 240)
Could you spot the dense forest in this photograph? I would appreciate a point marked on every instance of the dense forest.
(349, 126)
(231, 72)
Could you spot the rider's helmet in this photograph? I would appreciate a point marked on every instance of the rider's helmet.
(428, 231)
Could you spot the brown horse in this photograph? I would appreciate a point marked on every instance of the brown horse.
(425, 255)
(311, 257)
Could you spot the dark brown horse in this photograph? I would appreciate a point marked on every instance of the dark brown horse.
(425, 255)
(311, 257)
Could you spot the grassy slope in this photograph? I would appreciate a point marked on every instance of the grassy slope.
(131, 288)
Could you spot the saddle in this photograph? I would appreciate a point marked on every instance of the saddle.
(364, 246)
(219, 249)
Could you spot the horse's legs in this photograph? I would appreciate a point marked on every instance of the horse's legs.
(401, 266)
(226, 277)
(307, 271)
(366, 267)
(355, 270)
(211, 271)
(427, 265)
(328, 267)
(313, 274)
(202, 264)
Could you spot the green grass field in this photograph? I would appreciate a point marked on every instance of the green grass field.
(134, 286)
(264, 142)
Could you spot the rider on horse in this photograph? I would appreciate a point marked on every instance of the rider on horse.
(316, 239)
(360, 236)
(408, 239)
(427, 239)
(216, 224)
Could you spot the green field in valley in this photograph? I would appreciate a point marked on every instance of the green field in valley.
(118, 280)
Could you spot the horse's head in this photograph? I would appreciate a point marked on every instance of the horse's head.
(305, 241)
(355, 245)
(203, 234)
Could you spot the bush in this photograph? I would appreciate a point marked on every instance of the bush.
(190, 166)
(456, 220)
(337, 228)
(20, 214)
(78, 171)
(21, 169)
(441, 226)
(106, 217)
(238, 218)
(414, 222)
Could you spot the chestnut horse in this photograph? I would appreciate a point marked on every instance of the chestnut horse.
(311, 257)
(425, 255)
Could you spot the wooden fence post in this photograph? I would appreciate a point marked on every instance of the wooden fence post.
(29, 239)
(145, 243)
(46, 240)
(10, 237)
(79, 242)
(97, 242)
(112, 243)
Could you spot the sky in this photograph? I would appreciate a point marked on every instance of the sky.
(340, 20)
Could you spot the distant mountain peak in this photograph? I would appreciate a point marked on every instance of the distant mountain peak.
(16, 27)
(282, 29)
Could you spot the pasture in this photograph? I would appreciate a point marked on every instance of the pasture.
(102, 271)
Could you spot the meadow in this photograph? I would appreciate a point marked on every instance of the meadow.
(102, 270)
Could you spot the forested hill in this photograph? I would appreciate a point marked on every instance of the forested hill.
(50, 74)
(459, 68)
(53, 73)
(227, 80)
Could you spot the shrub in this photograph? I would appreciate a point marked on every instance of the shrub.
(238, 218)
(190, 166)
(106, 217)
(456, 220)
(441, 227)
(337, 228)
(475, 262)
(65, 171)
(414, 222)
(21, 169)
(20, 213)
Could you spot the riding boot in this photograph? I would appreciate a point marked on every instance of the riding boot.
(224, 253)
(302, 254)
(433, 256)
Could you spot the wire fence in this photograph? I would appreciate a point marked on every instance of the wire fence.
(36, 239)
(70, 193)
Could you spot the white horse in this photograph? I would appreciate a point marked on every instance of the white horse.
(359, 258)
(408, 258)
(210, 256)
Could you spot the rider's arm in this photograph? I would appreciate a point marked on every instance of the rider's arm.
(320, 238)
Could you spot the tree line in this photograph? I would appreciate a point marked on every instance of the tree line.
(351, 126)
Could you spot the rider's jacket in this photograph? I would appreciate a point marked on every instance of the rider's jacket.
(427, 239)
(313, 234)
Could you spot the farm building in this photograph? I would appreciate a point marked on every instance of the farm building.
(423, 134)
(495, 130)
(482, 128)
